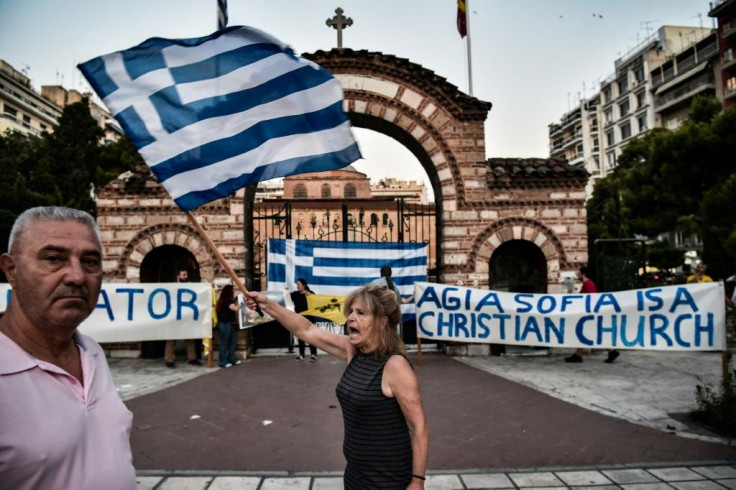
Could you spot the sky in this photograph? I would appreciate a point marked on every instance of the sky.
(532, 59)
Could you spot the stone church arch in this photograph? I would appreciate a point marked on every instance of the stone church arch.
(156, 252)
(518, 266)
(163, 263)
(532, 252)
(441, 126)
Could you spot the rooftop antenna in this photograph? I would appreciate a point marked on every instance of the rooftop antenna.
(700, 17)
(647, 27)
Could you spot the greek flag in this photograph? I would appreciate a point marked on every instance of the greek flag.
(211, 115)
(336, 268)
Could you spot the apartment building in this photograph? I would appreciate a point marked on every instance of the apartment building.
(725, 12)
(681, 77)
(22, 109)
(595, 132)
(63, 97)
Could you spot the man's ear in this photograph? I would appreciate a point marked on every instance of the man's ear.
(7, 264)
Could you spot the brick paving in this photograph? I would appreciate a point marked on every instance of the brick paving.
(277, 414)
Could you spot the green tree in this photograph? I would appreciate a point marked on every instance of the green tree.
(662, 255)
(74, 154)
(25, 180)
(663, 179)
(58, 168)
(719, 227)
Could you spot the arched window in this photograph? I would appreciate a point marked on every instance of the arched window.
(385, 219)
(350, 191)
(326, 191)
(300, 191)
(374, 219)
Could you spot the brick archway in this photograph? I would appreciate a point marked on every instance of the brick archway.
(440, 125)
(505, 230)
(129, 263)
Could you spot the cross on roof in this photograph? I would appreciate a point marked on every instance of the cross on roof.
(339, 22)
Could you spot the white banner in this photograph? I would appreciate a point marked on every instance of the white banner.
(686, 317)
(153, 311)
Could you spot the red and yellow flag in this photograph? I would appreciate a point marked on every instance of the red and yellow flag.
(462, 25)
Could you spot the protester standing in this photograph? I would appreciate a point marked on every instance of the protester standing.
(170, 352)
(299, 298)
(700, 275)
(589, 287)
(386, 438)
(388, 281)
(227, 308)
(62, 422)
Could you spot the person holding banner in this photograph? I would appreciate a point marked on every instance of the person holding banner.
(388, 281)
(299, 298)
(700, 275)
(386, 440)
(589, 287)
(62, 422)
(182, 275)
(227, 305)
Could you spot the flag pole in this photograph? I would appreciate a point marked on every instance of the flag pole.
(419, 339)
(236, 280)
(217, 253)
(467, 38)
(221, 24)
(419, 348)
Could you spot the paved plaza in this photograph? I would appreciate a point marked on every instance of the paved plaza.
(496, 422)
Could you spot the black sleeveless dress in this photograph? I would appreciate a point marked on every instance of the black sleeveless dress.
(377, 443)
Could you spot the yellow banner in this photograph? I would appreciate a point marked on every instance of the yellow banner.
(327, 307)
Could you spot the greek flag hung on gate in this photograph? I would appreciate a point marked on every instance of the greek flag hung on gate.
(340, 267)
(213, 114)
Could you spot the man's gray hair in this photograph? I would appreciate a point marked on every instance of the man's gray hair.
(50, 213)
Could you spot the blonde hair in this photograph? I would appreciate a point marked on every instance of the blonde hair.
(383, 304)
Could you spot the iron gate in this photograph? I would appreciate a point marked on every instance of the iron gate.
(384, 220)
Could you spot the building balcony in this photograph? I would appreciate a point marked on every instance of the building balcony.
(20, 126)
(728, 29)
(667, 97)
(565, 123)
(729, 59)
(557, 153)
(568, 142)
(576, 159)
(729, 90)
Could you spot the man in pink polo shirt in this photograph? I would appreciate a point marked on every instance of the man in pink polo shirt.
(62, 423)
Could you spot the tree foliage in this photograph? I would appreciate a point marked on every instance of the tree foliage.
(59, 168)
(675, 181)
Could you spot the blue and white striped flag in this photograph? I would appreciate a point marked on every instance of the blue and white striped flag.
(340, 267)
(211, 115)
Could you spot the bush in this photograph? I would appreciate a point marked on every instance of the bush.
(718, 410)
